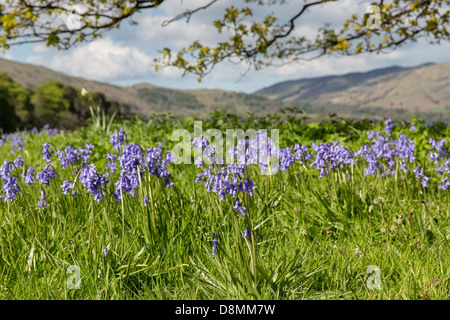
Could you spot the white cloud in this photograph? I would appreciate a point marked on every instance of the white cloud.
(103, 59)
(36, 59)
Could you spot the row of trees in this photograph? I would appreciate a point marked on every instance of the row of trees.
(53, 103)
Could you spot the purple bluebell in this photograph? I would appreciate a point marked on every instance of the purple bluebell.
(69, 156)
(10, 187)
(43, 200)
(118, 138)
(29, 177)
(111, 164)
(439, 152)
(47, 153)
(18, 162)
(93, 181)
(238, 207)
(46, 175)
(420, 176)
(145, 201)
(67, 187)
(445, 184)
(246, 234)
(214, 243)
(388, 127)
(85, 153)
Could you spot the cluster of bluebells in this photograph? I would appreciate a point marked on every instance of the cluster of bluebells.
(383, 152)
(439, 151)
(381, 157)
(18, 139)
(118, 138)
(93, 181)
(331, 156)
(10, 183)
(134, 161)
(227, 179)
(232, 178)
(421, 176)
(73, 157)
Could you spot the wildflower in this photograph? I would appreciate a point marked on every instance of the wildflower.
(46, 174)
(214, 243)
(111, 165)
(29, 178)
(117, 138)
(5, 169)
(93, 181)
(145, 201)
(388, 126)
(419, 175)
(238, 207)
(43, 201)
(67, 186)
(11, 187)
(18, 163)
(445, 185)
(85, 153)
(46, 153)
(246, 234)
(70, 156)
(105, 251)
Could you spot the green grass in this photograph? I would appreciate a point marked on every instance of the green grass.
(315, 237)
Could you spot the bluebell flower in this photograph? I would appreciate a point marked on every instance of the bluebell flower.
(246, 234)
(118, 138)
(43, 201)
(67, 186)
(214, 243)
(93, 181)
(18, 163)
(388, 126)
(47, 153)
(145, 201)
(10, 187)
(445, 184)
(46, 175)
(111, 164)
(238, 207)
(420, 176)
(29, 177)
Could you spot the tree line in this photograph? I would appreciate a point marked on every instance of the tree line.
(54, 103)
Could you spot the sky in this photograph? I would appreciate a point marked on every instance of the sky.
(125, 56)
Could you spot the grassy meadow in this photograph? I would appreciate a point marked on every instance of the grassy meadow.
(357, 210)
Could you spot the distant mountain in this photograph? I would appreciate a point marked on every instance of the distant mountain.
(425, 88)
(394, 91)
(146, 99)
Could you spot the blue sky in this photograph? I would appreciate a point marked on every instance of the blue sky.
(125, 56)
